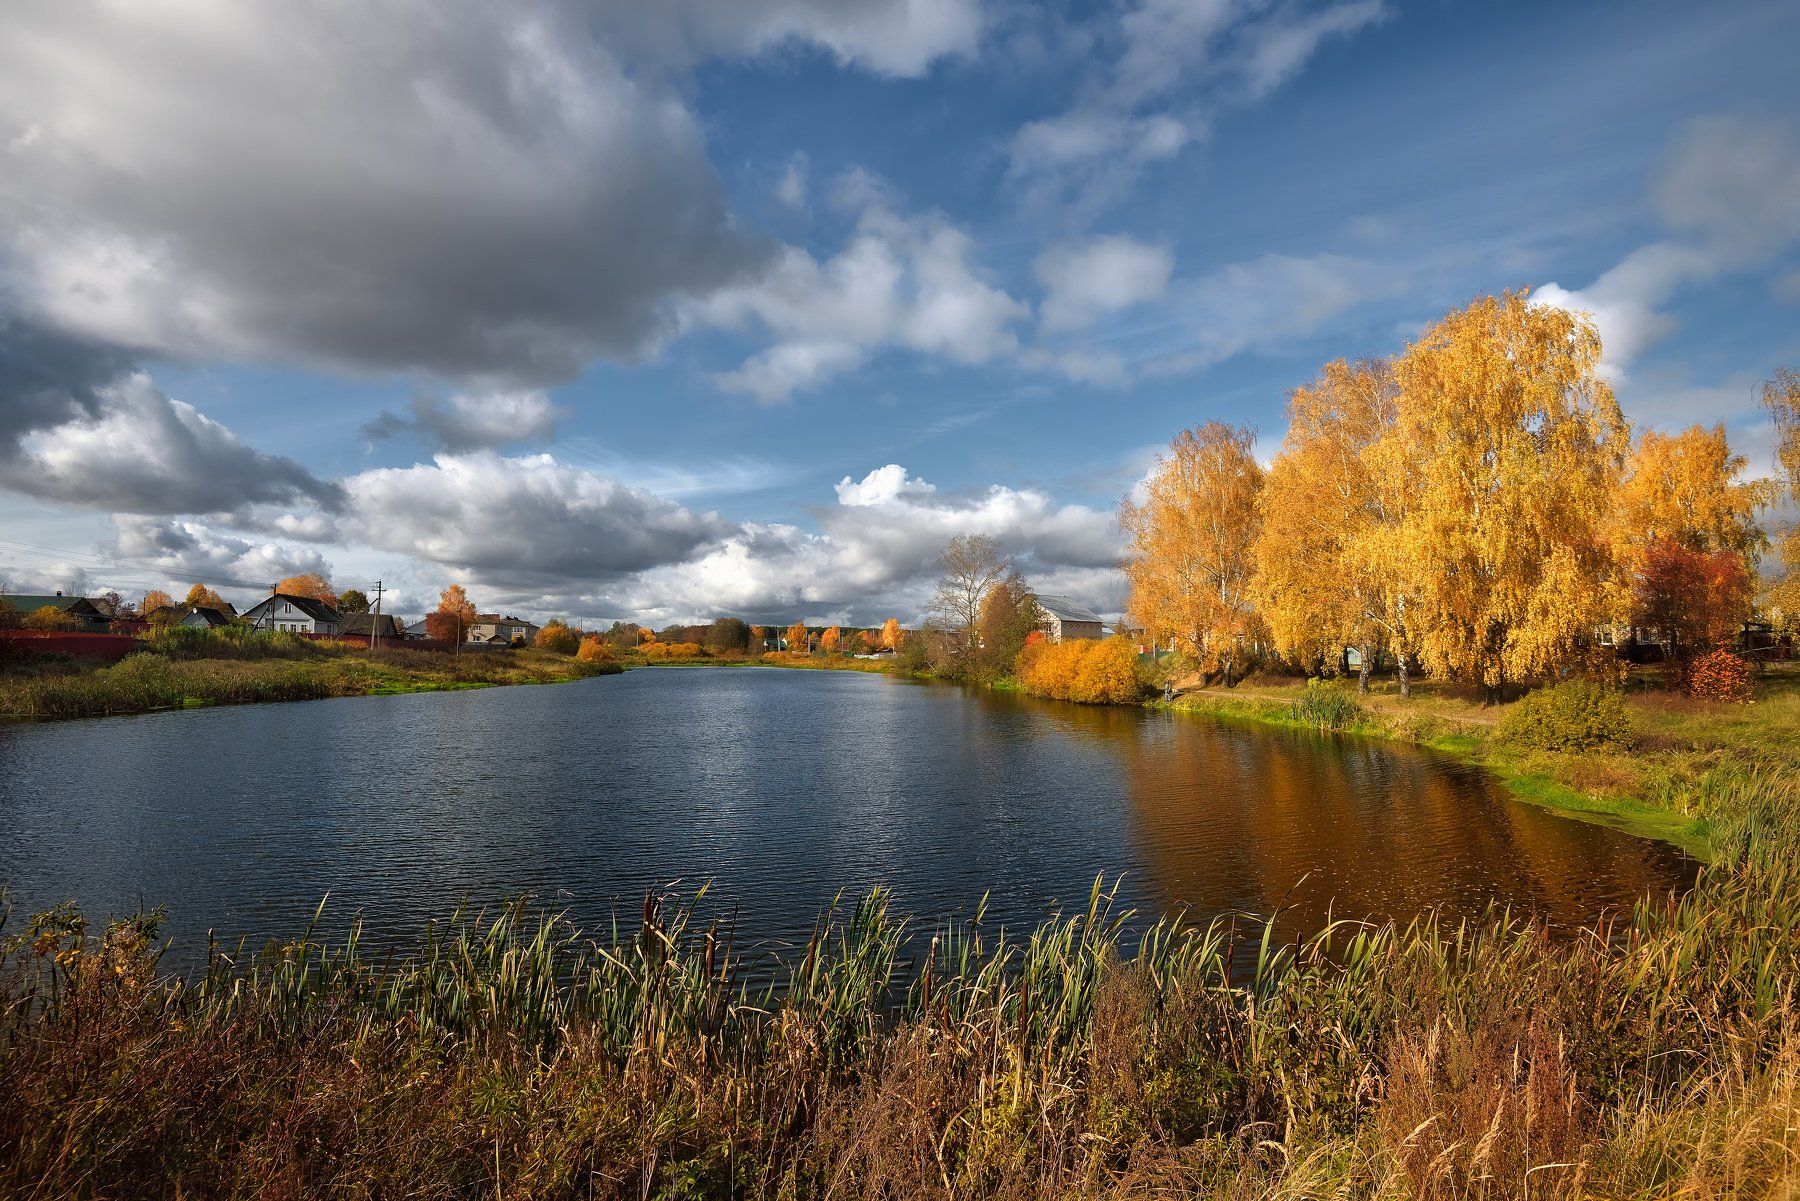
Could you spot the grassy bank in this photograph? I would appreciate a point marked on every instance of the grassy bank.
(196, 670)
(1655, 787)
(517, 1058)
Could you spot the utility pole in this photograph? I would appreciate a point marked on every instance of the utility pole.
(375, 621)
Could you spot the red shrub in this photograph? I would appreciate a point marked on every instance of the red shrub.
(1721, 676)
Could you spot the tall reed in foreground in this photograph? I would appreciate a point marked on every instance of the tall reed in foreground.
(511, 1055)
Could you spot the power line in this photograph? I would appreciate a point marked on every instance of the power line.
(119, 564)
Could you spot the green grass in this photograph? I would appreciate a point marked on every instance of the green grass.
(509, 1054)
(1648, 788)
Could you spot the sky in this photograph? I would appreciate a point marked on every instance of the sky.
(664, 312)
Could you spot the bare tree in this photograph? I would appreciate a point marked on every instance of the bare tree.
(968, 569)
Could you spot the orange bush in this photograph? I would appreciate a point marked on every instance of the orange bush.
(1721, 676)
(672, 650)
(1085, 670)
(593, 650)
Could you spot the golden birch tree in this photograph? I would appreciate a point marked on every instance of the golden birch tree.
(1517, 446)
(1328, 508)
(1781, 396)
(1191, 544)
(1687, 488)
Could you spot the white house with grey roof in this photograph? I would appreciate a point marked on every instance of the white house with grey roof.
(296, 614)
(1064, 619)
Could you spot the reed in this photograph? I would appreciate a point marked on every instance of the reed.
(511, 1054)
(1326, 707)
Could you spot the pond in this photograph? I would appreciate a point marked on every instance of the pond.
(783, 789)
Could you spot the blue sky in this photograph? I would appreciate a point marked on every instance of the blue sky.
(746, 307)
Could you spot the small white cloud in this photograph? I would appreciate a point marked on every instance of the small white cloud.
(880, 486)
(791, 191)
(1084, 281)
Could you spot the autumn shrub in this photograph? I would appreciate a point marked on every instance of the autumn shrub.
(49, 617)
(1723, 677)
(1091, 671)
(672, 650)
(232, 642)
(558, 638)
(1577, 715)
(594, 650)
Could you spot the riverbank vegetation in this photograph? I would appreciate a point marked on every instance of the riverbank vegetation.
(187, 668)
(511, 1055)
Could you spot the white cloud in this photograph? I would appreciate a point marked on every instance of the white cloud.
(520, 521)
(791, 190)
(142, 452)
(1260, 305)
(1173, 66)
(1099, 277)
(875, 555)
(1733, 189)
(457, 188)
(466, 421)
(190, 550)
(880, 486)
(900, 283)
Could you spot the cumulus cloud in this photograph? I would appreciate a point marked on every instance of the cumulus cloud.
(458, 189)
(1731, 189)
(874, 555)
(905, 282)
(1086, 280)
(465, 421)
(139, 451)
(187, 550)
(48, 378)
(1165, 70)
(524, 521)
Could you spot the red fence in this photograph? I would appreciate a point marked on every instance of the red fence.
(61, 642)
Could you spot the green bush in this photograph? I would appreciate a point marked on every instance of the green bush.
(1327, 707)
(1575, 716)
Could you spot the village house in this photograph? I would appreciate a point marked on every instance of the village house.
(381, 625)
(206, 617)
(294, 614)
(1064, 619)
(78, 607)
(495, 630)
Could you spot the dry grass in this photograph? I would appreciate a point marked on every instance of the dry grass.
(224, 670)
(514, 1057)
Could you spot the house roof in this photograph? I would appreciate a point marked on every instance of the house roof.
(316, 609)
(1064, 608)
(360, 623)
(212, 616)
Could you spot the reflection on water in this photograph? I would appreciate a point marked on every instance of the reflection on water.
(783, 789)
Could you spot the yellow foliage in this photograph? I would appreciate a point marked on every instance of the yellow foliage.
(671, 650)
(1318, 585)
(1191, 561)
(202, 597)
(1092, 671)
(890, 634)
(594, 650)
(49, 617)
(830, 640)
(558, 637)
(1514, 446)
(796, 637)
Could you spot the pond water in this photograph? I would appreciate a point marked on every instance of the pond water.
(781, 788)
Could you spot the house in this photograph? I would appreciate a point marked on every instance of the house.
(500, 631)
(295, 614)
(380, 625)
(418, 629)
(1064, 619)
(205, 617)
(79, 607)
